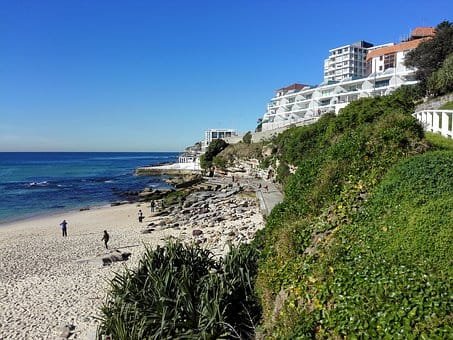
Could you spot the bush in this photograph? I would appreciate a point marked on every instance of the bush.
(447, 106)
(356, 250)
(441, 81)
(247, 139)
(181, 291)
(439, 142)
(214, 148)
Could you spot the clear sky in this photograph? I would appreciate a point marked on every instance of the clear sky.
(87, 75)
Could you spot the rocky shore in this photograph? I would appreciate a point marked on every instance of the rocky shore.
(214, 214)
(52, 287)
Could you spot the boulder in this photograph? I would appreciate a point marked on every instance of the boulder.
(197, 232)
(115, 256)
(147, 231)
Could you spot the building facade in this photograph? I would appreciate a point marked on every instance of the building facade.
(346, 62)
(213, 134)
(383, 69)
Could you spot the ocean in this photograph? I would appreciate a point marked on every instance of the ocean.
(39, 183)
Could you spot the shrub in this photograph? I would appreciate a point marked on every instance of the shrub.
(356, 250)
(247, 139)
(214, 148)
(181, 291)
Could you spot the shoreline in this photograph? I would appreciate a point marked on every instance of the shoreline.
(49, 213)
(47, 281)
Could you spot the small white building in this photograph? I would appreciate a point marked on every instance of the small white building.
(213, 134)
(187, 158)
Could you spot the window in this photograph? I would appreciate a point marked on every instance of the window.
(381, 83)
(380, 68)
(389, 61)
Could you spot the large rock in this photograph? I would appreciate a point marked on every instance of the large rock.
(115, 256)
(197, 232)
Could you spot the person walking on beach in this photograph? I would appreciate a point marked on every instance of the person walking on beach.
(152, 205)
(64, 225)
(106, 238)
(140, 216)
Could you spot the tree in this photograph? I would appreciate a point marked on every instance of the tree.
(441, 81)
(247, 139)
(214, 148)
(259, 126)
(430, 54)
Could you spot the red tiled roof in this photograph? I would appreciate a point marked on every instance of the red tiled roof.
(419, 32)
(407, 45)
(294, 86)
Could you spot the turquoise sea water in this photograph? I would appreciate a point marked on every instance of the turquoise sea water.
(38, 183)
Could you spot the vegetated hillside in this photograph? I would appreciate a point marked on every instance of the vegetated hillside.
(361, 245)
(238, 151)
(447, 106)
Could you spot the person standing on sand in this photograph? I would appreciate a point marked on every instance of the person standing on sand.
(106, 238)
(152, 205)
(64, 225)
(140, 216)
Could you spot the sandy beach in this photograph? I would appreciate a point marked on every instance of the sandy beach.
(48, 281)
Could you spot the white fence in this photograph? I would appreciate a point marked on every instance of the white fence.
(437, 121)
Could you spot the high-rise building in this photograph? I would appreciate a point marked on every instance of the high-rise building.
(346, 62)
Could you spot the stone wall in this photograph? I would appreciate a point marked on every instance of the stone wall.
(268, 134)
(434, 103)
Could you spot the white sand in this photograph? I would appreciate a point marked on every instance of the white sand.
(47, 281)
(43, 282)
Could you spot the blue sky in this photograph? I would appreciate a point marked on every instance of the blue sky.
(153, 75)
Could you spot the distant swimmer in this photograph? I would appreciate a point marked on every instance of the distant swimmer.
(64, 228)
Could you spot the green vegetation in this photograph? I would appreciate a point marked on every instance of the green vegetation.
(429, 56)
(214, 148)
(447, 106)
(175, 197)
(441, 81)
(247, 139)
(439, 142)
(182, 292)
(238, 151)
(361, 245)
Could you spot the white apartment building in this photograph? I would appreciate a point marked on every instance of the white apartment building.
(213, 134)
(346, 62)
(386, 72)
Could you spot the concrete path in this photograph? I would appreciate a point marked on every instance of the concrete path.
(266, 192)
(269, 196)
